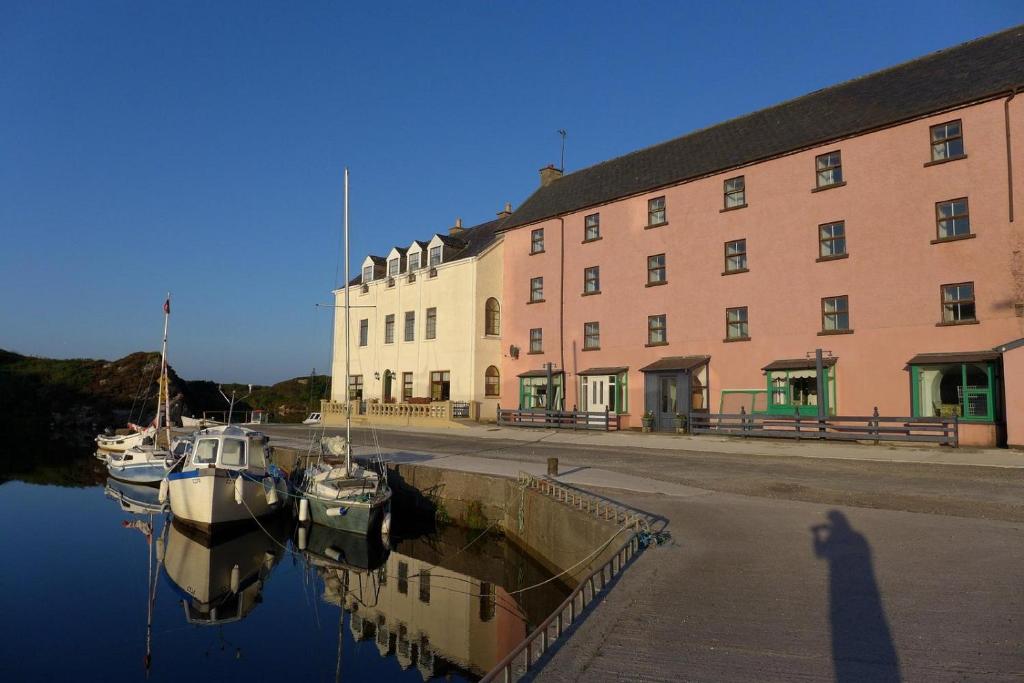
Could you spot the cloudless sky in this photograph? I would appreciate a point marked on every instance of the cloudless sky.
(198, 147)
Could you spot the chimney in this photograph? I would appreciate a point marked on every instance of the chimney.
(456, 229)
(549, 174)
(507, 211)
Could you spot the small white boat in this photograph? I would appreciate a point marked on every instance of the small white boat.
(118, 443)
(147, 464)
(198, 422)
(313, 419)
(226, 477)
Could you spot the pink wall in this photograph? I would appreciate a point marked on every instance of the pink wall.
(1013, 374)
(892, 276)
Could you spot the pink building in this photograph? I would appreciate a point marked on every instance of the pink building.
(874, 220)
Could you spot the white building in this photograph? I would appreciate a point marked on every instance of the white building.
(426, 322)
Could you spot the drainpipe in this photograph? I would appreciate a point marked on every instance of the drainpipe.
(1009, 156)
(561, 308)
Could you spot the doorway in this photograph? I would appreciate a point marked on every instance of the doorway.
(667, 404)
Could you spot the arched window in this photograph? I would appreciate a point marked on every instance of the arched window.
(492, 380)
(492, 317)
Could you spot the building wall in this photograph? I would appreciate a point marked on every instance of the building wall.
(1013, 373)
(457, 348)
(892, 276)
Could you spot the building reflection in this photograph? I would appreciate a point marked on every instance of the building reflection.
(431, 602)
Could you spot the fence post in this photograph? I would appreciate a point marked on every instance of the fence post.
(607, 415)
(956, 431)
(874, 424)
(743, 421)
(796, 413)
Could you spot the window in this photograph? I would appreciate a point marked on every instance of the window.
(656, 211)
(492, 381)
(537, 289)
(393, 265)
(947, 141)
(830, 169)
(414, 261)
(835, 314)
(425, 586)
(440, 385)
(234, 453)
(403, 577)
(795, 390)
(367, 273)
(736, 256)
(533, 392)
(537, 241)
(832, 240)
(536, 340)
(435, 255)
(492, 317)
(206, 451)
(736, 323)
(406, 386)
(958, 303)
(656, 329)
(952, 219)
(389, 328)
(364, 331)
(410, 325)
(591, 280)
(656, 269)
(591, 335)
(592, 227)
(431, 323)
(966, 390)
(355, 388)
(735, 192)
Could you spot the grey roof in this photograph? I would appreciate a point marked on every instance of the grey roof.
(953, 357)
(799, 363)
(603, 371)
(1010, 346)
(401, 250)
(676, 363)
(538, 373)
(421, 244)
(379, 260)
(970, 72)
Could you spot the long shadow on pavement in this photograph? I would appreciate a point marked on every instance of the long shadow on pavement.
(862, 645)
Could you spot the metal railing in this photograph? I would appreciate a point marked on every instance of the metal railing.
(526, 654)
(876, 428)
(594, 505)
(558, 419)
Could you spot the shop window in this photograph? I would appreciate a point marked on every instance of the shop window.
(533, 392)
(796, 391)
(964, 390)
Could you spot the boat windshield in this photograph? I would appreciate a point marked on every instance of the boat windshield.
(234, 453)
(206, 452)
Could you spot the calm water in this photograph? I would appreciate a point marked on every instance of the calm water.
(75, 586)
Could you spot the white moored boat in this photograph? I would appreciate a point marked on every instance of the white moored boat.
(147, 464)
(119, 443)
(227, 477)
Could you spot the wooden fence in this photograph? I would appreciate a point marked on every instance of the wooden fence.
(940, 430)
(558, 419)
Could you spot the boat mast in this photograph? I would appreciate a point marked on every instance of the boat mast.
(164, 393)
(348, 342)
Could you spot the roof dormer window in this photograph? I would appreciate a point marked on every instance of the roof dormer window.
(367, 273)
(414, 261)
(393, 267)
(435, 255)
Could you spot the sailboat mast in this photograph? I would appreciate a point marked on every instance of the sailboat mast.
(164, 393)
(348, 343)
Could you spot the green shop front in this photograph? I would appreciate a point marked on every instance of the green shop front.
(792, 386)
(542, 390)
(964, 384)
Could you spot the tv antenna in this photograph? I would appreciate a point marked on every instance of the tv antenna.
(563, 133)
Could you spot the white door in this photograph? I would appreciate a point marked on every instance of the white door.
(597, 393)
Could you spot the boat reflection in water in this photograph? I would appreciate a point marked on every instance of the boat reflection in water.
(220, 579)
(431, 602)
(137, 499)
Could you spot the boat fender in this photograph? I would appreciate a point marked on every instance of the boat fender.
(303, 536)
(268, 560)
(336, 512)
(160, 552)
(164, 490)
(333, 553)
(385, 526)
(271, 493)
(238, 489)
(304, 510)
(236, 578)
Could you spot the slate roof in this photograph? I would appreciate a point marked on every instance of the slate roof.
(970, 72)
(676, 363)
(603, 371)
(954, 357)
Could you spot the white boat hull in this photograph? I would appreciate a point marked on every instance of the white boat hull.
(120, 444)
(206, 497)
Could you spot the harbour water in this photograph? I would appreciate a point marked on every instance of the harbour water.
(94, 586)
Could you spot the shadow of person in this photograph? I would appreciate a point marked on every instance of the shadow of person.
(862, 647)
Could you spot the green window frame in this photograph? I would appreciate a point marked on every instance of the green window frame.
(969, 397)
(780, 391)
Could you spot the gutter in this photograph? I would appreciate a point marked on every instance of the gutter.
(561, 309)
(1009, 155)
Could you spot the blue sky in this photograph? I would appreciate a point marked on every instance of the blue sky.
(198, 147)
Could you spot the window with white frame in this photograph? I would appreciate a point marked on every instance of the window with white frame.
(435, 255)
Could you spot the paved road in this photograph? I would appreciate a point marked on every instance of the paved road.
(985, 492)
(916, 575)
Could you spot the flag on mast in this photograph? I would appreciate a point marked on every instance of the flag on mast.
(167, 306)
